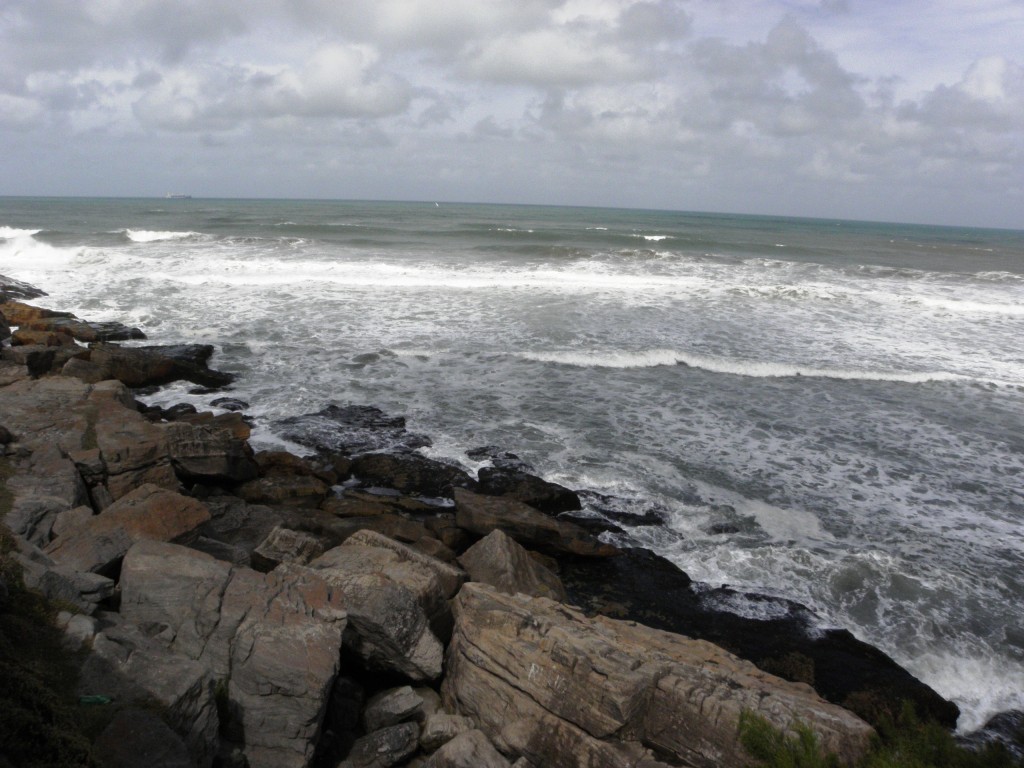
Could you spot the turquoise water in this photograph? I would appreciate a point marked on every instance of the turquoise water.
(847, 397)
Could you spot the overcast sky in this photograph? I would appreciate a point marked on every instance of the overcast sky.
(869, 109)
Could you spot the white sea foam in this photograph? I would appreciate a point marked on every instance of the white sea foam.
(751, 368)
(7, 233)
(150, 236)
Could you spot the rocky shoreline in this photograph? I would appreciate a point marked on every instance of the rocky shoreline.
(366, 605)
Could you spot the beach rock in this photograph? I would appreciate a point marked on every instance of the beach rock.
(440, 728)
(538, 493)
(392, 601)
(42, 486)
(469, 749)
(229, 403)
(133, 668)
(214, 452)
(24, 337)
(137, 738)
(411, 473)
(275, 638)
(350, 430)
(384, 748)
(11, 372)
(483, 514)
(561, 689)
(284, 545)
(154, 365)
(779, 635)
(391, 707)
(290, 491)
(11, 290)
(499, 561)
(18, 313)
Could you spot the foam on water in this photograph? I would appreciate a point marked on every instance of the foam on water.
(856, 426)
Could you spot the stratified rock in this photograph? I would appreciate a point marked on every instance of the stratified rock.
(483, 514)
(70, 519)
(411, 473)
(499, 561)
(547, 683)
(384, 748)
(148, 513)
(471, 749)
(350, 430)
(24, 337)
(440, 728)
(154, 365)
(290, 491)
(284, 545)
(391, 707)
(43, 486)
(538, 493)
(276, 639)
(136, 738)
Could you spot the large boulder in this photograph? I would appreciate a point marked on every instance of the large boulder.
(275, 638)
(471, 749)
(549, 684)
(213, 452)
(483, 514)
(350, 430)
(522, 486)
(11, 289)
(499, 561)
(397, 601)
(147, 513)
(411, 473)
(154, 365)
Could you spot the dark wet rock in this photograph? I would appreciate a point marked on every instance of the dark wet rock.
(529, 489)
(722, 529)
(1005, 729)
(411, 473)
(499, 458)
(215, 451)
(84, 331)
(774, 633)
(39, 360)
(5, 436)
(630, 512)
(11, 290)
(350, 430)
(229, 403)
(391, 707)
(155, 365)
(290, 491)
(384, 748)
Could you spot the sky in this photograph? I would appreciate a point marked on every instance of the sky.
(863, 109)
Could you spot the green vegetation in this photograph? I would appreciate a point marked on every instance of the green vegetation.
(39, 726)
(904, 743)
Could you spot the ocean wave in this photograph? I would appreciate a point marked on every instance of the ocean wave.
(751, 368)
(149, 236)
(959, 305)
(9, 233)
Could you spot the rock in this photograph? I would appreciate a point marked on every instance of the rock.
(294, 491)
(499, 561)
(148, 513)
(42, 486)
(350, 430)
(1005, 729)
(384, 748)
(211, 453)
(133, 668)
(483, 514)
(85, 591)
(449, 578)
(392, 602)
(411, 473)
(11, 289)
(391, 707)
(538, 493)
(551, 685)
(642, 586)
(275, 638)
(440, 728)
(283, 545)
(11, 372)
(229, 403)
(470, 749)
(25, 338)
(136, 738)
(78, 628)
(154, 365)
(70, 519)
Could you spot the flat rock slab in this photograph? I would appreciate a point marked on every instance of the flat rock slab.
(561, 689)
(350, 430)
(531, 528)
(147, 513)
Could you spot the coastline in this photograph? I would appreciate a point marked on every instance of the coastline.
(266, 517)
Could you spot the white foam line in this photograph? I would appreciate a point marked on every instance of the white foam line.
(8, 233)
(148, 236)
(755, 369)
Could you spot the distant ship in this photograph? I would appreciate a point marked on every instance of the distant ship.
(170, 196)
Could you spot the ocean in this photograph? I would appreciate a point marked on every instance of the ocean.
(828, 411)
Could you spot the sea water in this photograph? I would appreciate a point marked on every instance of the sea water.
(829, 411)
